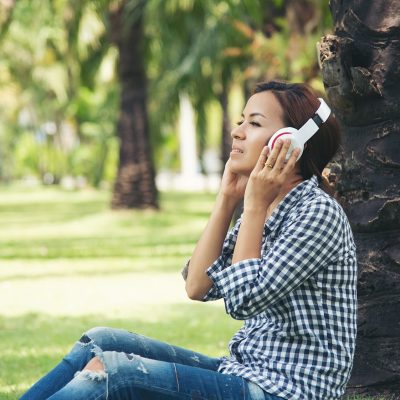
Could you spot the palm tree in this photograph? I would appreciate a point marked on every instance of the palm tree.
(361, 74)
(135, 182)
(205, 60)
(6, 13)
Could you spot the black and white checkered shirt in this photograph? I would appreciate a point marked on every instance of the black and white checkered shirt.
(298, 300)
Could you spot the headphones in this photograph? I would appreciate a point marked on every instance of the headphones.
(300, 136)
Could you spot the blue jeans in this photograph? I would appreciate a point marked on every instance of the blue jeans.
(139, 368)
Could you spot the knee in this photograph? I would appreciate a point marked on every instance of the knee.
(94, 365)
(94, 335)
(94, 371)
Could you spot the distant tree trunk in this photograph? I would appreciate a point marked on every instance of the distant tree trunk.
(272, 12)
(187, 138)
(361, 74)
(7, 9)
(226, 142)
(135, 182)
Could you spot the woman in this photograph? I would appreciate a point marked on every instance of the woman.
(287, 267)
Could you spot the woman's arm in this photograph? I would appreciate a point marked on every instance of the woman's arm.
(305, 246)
(209, 247)
(249, 240)
(263, 188)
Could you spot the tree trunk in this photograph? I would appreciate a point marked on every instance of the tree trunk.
(6, 13)
(135, 182)
(361, 74)
(226, 142)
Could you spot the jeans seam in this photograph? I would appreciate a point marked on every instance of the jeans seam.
(176, 376)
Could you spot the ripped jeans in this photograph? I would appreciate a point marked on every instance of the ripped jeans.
(139, 368)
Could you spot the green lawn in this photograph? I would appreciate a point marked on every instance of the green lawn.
(68, 263)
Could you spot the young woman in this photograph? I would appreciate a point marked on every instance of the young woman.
(287, 268)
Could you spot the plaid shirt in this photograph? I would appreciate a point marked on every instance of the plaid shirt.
(298, 300)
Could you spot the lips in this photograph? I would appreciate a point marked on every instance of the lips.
(236, 150)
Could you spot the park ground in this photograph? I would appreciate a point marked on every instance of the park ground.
(69, 263)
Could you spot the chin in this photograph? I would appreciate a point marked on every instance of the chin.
(240, 169)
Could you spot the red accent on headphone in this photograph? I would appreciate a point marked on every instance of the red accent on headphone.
(277, 137)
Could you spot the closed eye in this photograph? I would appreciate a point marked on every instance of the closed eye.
(251, 123)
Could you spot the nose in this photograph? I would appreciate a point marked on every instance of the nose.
(238, 133)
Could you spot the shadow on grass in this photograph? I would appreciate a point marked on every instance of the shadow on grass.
(50, 211)
(62, 207)
(97, 247)
(166, 265)
(32, 344)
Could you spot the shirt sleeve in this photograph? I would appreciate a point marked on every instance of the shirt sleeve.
(223, 261)
(306, 245)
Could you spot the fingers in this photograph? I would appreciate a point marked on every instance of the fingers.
(273, 157)
(262, 159)
(292, 160)
(280, 161)
(277, 158)
(274, 154)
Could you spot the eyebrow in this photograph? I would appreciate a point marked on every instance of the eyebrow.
(255, 114)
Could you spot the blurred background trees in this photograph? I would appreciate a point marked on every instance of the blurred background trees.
(91, 90)
(59, 95)
(92, 93)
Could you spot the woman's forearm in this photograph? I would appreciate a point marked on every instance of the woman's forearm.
(209, 247)
(249, 240)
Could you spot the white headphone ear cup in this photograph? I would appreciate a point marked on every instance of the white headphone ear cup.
(286, 133)
(283, 133)
(293, 145)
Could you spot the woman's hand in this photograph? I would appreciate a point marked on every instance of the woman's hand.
(269, 176)
(233, 185)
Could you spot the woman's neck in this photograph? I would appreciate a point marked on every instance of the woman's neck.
(291, 183)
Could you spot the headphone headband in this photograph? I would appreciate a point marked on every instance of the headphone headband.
(323, 110)
(313, 124)
(300, 136)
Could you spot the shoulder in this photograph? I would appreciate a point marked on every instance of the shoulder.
(317, 202)
(325, 211)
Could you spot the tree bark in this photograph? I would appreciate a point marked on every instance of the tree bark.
(135, 183)
(361, 74)
(226, 142)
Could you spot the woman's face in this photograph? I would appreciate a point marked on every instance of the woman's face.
(261, 118)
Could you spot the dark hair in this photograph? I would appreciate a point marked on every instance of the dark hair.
(299, 103)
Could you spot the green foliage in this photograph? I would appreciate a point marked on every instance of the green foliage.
(35, 157)
(202, 47)
(58, 67)
(59, 72)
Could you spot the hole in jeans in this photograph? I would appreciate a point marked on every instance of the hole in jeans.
(85, 339)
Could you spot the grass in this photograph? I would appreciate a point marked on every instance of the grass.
(31, 344)
(68, 263)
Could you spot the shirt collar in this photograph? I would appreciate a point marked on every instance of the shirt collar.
(289, 201)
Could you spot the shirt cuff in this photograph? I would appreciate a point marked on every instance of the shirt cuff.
(214, 293)
(237, 275)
